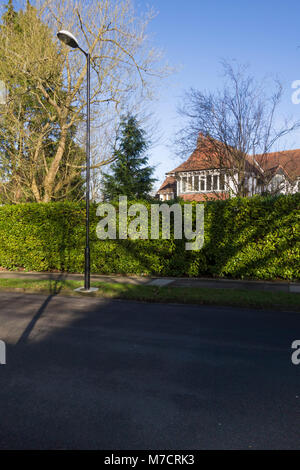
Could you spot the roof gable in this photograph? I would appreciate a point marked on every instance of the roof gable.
(212, 154)
(287, 160)
(168, 186)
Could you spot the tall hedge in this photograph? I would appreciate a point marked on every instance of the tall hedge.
(256, 238)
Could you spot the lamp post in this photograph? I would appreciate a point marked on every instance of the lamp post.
(71, 41)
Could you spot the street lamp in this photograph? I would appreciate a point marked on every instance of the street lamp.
(71, 41)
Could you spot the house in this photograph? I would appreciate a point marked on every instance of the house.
(211, 174)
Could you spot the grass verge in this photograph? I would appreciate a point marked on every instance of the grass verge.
(184, 295)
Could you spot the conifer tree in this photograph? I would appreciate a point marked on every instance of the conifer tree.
(130, 174)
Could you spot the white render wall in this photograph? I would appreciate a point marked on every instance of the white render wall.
(284, 185)
(186, 181)
(230, 183)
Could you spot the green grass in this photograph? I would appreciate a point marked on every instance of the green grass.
(186, 295)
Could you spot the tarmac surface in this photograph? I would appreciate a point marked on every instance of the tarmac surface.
(84, 373)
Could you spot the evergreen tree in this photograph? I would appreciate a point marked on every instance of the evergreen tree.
(130, 174)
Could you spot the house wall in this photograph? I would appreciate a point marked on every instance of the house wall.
(208, 181)
(200, 182)
(216, 182)
(282, 185)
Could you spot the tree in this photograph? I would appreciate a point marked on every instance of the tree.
(46, 81)
(29, 134)
(10, 15)
(233, 125)
(130, 174)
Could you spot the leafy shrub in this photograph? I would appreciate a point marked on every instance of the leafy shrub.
(254, 238)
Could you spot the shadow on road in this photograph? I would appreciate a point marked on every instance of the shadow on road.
(102, 374)
(55, 287)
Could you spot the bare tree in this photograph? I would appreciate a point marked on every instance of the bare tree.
(52, 76)
(233, 125)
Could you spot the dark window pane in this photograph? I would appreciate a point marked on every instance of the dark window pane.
(222, 182)
(215, 180)
(196, 183)
(208, 183)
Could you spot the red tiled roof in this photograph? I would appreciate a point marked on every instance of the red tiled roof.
(202, 197)
(202, 159)
(197, 161)
(208, 155)
(288, 160)
(168, 186)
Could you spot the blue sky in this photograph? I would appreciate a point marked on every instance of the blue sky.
(197, 34)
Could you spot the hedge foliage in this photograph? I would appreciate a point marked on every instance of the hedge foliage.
(254, 238)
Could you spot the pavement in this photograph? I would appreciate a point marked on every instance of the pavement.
(86, 373)
(279, 286)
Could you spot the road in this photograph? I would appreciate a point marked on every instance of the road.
(84, 373)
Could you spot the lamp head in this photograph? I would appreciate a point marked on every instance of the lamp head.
(68, 38)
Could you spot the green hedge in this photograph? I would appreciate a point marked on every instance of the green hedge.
(254, 238)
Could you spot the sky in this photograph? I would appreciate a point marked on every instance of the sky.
(197, 34)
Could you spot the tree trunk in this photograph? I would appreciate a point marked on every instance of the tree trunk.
(50, 177)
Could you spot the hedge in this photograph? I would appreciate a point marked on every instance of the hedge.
(254, 238)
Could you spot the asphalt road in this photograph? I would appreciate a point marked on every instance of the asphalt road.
(89, 374)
